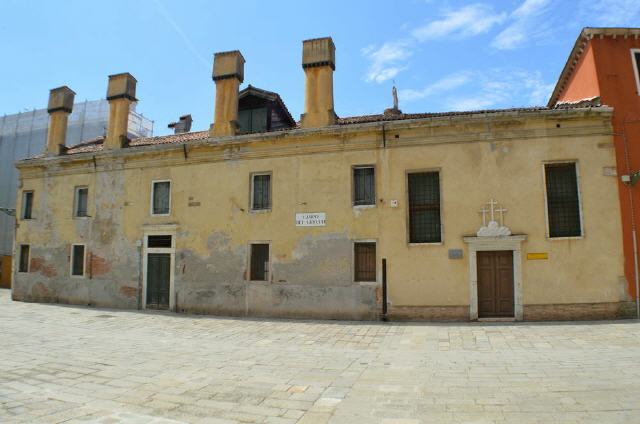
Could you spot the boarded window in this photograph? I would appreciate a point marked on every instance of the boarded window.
(259, 262)
(27, 204)
(163, 241)
(82, 196)
(424, 207)
(77, 260)
(261, 195)
(252, 120)
(563, 202)
(161, 198)
(364, 261)
(23, 266)
(364, 186)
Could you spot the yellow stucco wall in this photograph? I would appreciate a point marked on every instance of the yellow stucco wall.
(497, 156)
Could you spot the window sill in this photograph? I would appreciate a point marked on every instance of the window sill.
(364, 206)
(78, 277)
(565, 238)
(27, 219)
(260, 210)
(161, 214)
(439, 243)
(81, 217)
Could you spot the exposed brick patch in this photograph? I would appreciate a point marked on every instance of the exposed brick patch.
(40, 265)
(579, 311)
(428, 313)
(40, 292)
(130, 292)
(98, 265)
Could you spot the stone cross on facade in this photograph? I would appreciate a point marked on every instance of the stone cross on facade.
(493, 228)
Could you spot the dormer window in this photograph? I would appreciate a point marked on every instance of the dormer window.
(262, 111)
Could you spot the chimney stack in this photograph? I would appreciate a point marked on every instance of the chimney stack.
(228, 74)
(120, 94)
(59, 107)
(182, 126)
(318, 62)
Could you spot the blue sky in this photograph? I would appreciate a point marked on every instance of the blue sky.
(443, 55)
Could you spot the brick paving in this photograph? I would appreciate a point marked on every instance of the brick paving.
(79, 365)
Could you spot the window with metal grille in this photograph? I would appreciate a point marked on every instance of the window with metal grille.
(23, 265)
(260, 262)
(364, 261)
(161, 198)
(159, 241)
(563, 201)
(261, 192)
(82, 196)
(424, 207)
(77, 260)
(364, 186)
(27, 204)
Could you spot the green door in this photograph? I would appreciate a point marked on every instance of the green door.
(158, 269)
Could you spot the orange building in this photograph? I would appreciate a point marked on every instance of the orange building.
(605, 63)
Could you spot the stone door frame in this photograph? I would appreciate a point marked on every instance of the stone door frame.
(513, 243)
(155, 230)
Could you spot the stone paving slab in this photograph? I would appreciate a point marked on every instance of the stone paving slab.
(63, 364)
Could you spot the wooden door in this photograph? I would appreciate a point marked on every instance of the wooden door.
(495, 284)
(158, 269)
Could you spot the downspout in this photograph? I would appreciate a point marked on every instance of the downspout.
(634, 236)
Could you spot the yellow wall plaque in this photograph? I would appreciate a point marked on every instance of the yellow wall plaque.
(537, 256)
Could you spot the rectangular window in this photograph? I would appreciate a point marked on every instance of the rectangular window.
(364, 186)
(424, 207)
(259, 262)
(81, 201)
(161, 198)
(563, 200)
(27, 204)
(23, 265)
(252, 120)
(163, 241)
(635, 58)
(77, 260)
(260, 192)
(364, 259)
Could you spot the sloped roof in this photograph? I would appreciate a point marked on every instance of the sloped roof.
(579, 47)
(95, 145)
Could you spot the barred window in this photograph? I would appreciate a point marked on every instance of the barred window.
(563, 202)
(364, 186)
(364, 261)
(259, 262)
(77, 260)
(81, 201)
(424, 207)
(23, 265)
(161, 198)
(27, 204)
(260, 192)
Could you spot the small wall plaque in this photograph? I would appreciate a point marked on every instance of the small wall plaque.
(455, 253)
(537, 256)
(313, 219)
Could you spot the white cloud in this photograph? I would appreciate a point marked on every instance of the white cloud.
(474, 90)
(467, 21)
(524, 25)
(611, 12)
(447, 83)
(386, 60)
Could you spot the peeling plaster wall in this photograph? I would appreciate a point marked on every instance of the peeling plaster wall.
(312, 267)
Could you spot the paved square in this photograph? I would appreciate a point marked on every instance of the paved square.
(75, 364)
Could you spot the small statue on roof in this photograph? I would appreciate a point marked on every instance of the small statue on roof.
(394, 110)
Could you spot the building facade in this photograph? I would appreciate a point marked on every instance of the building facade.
(605, 63)
(501, 214)
(24, 135)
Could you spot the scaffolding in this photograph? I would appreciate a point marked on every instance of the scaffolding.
(24, 135)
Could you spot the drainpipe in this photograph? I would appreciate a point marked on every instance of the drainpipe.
(633, 219)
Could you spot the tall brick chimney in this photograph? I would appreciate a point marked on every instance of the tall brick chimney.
(120, 94)
(59, 107)
(318, 62)
(228, 74)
